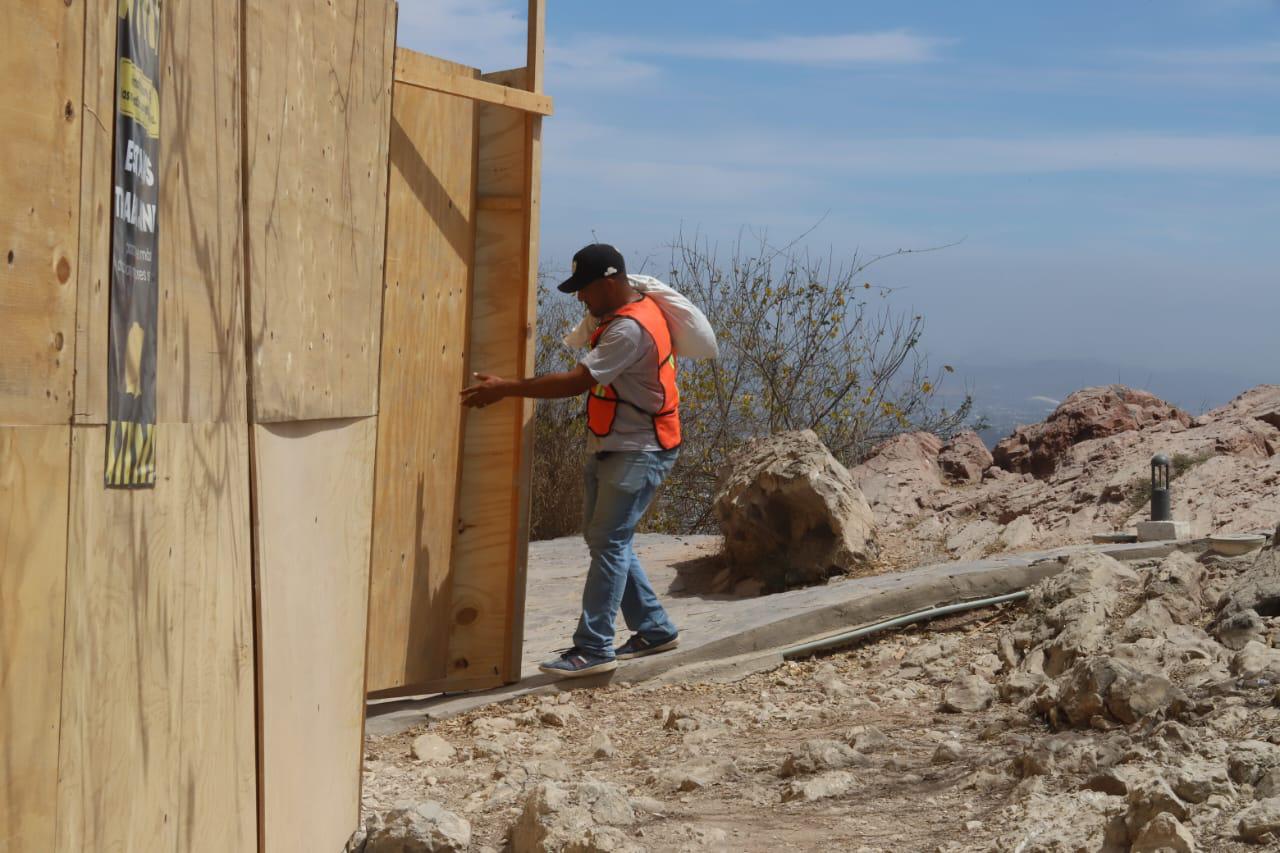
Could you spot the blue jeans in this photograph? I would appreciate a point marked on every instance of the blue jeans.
(619, 488)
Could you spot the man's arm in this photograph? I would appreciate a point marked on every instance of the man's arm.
(490, 389)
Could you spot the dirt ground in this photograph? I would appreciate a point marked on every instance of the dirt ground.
(701, 763)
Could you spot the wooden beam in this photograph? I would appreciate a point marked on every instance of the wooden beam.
(411, 70)
(536, 44)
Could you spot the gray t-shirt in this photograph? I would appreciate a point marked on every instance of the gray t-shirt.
(624, 357)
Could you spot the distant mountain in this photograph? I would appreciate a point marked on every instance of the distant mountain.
(1007, 395)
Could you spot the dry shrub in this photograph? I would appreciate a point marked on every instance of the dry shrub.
(805, 343)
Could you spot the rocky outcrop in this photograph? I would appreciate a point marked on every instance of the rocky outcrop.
(1087, 414)
(1226, 466)
(901, 477)
(791, 514)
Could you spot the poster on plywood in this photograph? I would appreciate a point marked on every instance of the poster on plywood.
(131, 348)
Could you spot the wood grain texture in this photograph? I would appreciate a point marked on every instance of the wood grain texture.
(318, 116)
(430, 241)
(40, 147)
(33, 550)
(314, 511)
(157, 718)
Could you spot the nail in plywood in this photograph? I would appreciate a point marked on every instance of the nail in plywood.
(40, 149)
(314, 496)
(318, 103)
(157, 714)
(430, 241)
(33, 550)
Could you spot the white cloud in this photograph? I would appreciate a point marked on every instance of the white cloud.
(753, 151)
(896, 46)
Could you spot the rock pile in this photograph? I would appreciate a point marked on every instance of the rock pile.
(1129, 657)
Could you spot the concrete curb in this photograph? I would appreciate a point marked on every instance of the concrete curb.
(842, 606)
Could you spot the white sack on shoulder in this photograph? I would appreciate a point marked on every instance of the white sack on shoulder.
(691, 333)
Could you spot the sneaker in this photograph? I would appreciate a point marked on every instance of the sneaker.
(575, 663)
(638, 646)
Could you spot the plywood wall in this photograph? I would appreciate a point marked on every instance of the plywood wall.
(157, 715)
(318, 102)
(430, 245)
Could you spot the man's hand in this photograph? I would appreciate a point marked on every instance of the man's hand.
(488, 389)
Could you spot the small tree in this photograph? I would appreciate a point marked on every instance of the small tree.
(805, 343)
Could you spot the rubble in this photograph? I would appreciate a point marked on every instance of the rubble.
(1107, 712)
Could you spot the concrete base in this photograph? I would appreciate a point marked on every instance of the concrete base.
(1162, 531)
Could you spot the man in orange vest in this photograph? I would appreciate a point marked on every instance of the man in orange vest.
(633, 423)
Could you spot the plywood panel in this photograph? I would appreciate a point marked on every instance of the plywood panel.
(314, 484)
(430, 242)
(200, 364)
(33, 546)
(41, 65)
(318, 102)
(484, 547)
(157, 712)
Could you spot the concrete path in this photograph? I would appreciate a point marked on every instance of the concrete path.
(722, 634)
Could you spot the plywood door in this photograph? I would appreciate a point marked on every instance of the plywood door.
(430, 243)
(314, 501)
(40, 120)
(487, 546)
(157, 709)
(318, 101)
(33, 548)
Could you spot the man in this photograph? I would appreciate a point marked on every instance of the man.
(633, 424)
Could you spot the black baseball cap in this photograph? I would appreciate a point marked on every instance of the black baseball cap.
(592, 262)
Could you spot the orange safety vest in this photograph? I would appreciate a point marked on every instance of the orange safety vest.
(602, 401)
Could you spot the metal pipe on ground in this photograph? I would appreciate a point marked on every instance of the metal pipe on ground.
(846, 637)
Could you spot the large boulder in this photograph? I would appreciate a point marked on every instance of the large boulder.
(791, 514)
(964, 458)
(1087, 414)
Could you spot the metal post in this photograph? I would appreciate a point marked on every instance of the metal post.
(1161, 499)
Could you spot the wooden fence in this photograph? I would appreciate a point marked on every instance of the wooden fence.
(347, 230)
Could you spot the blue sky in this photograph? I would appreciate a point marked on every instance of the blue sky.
(1112, 168)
